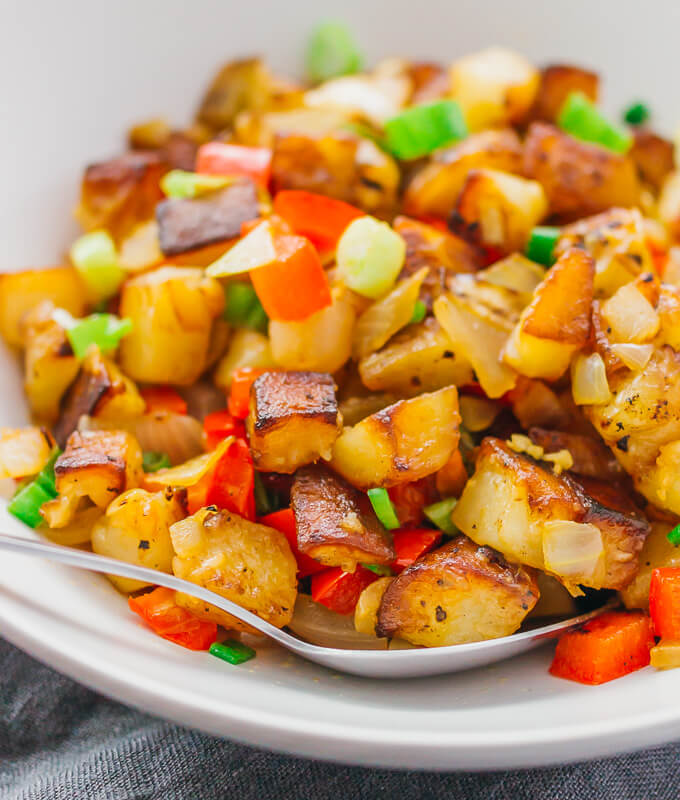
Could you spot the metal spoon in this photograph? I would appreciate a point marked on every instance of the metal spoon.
(368, 663)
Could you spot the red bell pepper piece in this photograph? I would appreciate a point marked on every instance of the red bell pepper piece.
(284, 521)
(160, 612)
(321, 219)
(232, 482)
(409, 500)
(163, 398)
(295, 285)
(490, 255)
(607, 647)
(220, 424)
(219, 158)
(339, 590)
(475, 390)
(239, 395)
(664, 602)
(434, 222)
(410, 545)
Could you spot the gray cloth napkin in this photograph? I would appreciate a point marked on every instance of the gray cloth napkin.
(60, 741)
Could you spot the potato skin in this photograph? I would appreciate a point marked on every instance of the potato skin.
(558, 81)
(653, 157)
(335, 523)
(459, 593)
(250, 564)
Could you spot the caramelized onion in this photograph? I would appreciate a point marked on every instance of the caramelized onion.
(317, 624)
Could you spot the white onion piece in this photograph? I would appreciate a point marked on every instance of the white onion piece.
(572, 549)
(589, 383)
(630, 316)
(203, 398)
(319, 625)
(634, 356)
(477, 413)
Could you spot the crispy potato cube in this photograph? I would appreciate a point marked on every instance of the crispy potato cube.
(459, 593)
(497, 209)
(550, 331)
(403, 442)
(435, 188)
(246, 348)
(579, 178)
(188, 223)
(20, 292)
(239, 85)
(23, 451)
(247, 563)
(527, 512)
(653, 157)
(120, 193)
(335, 523)
(591, 457)
(419, 359)
(366, 611)
(293, 419)
(558, 81)
(136, 529)
(494, 87)
(657, 552)
(173, 310)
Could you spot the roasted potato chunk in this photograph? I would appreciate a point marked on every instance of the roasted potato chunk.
(20, 292)
(188, 223)
(558, 81)
(173, 310)
(239, 85)
(23, 451)
(590, 456)
(419, 359)
(579, 178)
(120, 193)
(246, 349)
(336, 524)
(136, 529)
(547, 521)
(435, 188)
(549, 330)
(657, 552)
(293, 419)
(459, 593)
(250, 564)
(402, 443)
(669, 205)
(653, 157)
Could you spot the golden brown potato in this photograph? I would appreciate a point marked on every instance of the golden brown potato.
(435, 188)
(140, 249)
(188, 223)
(120, 193)
(591, 457)
(579, 178)
(402, 443)
(293, 419)
(250, 564)
(23, 451)
(335, 523)
(459, 593)
(172, 310)
(136, 529)
(366, 611)
(657, 552)
(419, 359)
(243, 84)
(151, 134)
(357, 407)
(20, 292)
(550, 330)
(497, 209)
(246, 349)
(653, 157)
(558, 81)
(547, 521)
(669, 205)
(535, 403)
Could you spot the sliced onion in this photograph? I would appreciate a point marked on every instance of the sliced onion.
(319, 625)
(203, 398)
(190, 472)
(630, 316)
(572, 549)
(589, 383)
(634, 356)
(477, 413)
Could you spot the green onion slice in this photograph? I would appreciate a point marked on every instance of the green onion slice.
(232, 651)
(95, 258)
(104, 330)
(674, 536)
(178, 183)
(542, 243)
(637, 114)
(419, 312)
(384, 510)
(379, 569)
(243, 308)
(332, 52)
(421, 129)
(440, 515)
(152, 461)
(580, 118)
(26, 503)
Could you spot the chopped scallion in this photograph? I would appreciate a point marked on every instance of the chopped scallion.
(421, 129)
(263, 504)
(243, 308)
(440, 515)
(419, 312)
(104, 330)
(232, 651)
(180, 183)
(332, 52)
(26, 503)
(95, 258)
(379, 569)
(369, 256)
(580, 118)
(153, 461)
(384, 510)
(46, 477)
(674, 536)
(542, 243)
(637, 114)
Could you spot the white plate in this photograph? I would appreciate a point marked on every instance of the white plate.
(76, 74)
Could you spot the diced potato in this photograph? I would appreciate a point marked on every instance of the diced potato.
(669, 204)
(419, 359)
(402, 443)
(136, 529)
(293, 419)
(657, 552)
(653, 157)
(246, 349)
(668, 309)
(376, 98)
(120, 193)
(512, 503)
(141, 249)
(590, 456)
(366, 611)
(188, 223)
(478, 413)
(494, 87)
(335, 523)
(247, 563)
(261, 129)
(23, 451)
(630, 316)
(558, 81)
(579, 178)
(554, 600)
(20, 292)
(459, 593)
(322, 342)
(243, 84)
(535, 403)
(498, 209)
(435, 188)
(356, 408)
(172, 311)
(550, 331)
(78, 531)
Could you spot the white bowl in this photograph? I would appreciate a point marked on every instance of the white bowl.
(75, 75)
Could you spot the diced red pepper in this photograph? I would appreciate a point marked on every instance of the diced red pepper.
(295, 285)
(434, 222)
(232, 482)
(490, 255)
(339, 590)
(219, 158)
(160, 612)
(607, 647)
(410, 545)
(239, 396)
(664, 602)
(659, 255)
(220, 424)
(321, 219)
(409, 500)
(284, 521)
(163, 398)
